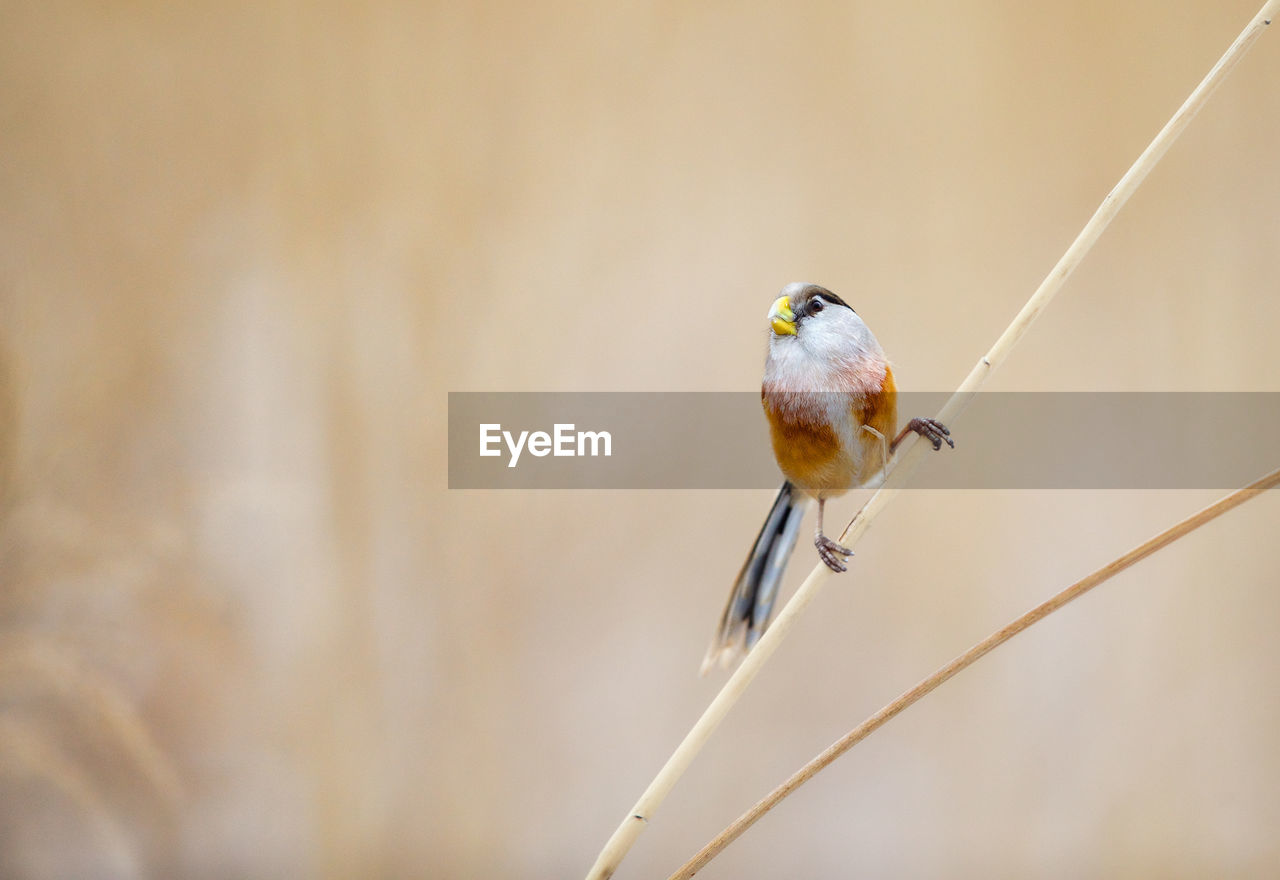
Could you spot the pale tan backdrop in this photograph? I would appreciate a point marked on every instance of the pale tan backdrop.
(247, 248)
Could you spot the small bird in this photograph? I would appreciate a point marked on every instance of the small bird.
(831, 403)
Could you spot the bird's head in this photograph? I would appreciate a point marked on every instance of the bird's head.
(817, 320)
(817, 342)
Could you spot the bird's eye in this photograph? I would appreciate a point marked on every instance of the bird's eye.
(816, 305)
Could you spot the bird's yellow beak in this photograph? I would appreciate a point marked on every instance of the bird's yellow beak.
(781, 318)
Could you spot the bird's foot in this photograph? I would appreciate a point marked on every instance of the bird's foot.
(830, 552)
(933, 431)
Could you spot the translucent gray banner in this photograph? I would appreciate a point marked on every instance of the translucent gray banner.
(720, 440)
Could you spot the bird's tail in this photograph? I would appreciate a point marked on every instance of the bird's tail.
(751, 603)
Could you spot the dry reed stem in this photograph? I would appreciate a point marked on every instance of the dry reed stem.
(904, 463)
(108, 713)
(27, 752)
(968, 658)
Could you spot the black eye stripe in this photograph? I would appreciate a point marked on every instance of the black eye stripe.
(827, 297)
(832, 299)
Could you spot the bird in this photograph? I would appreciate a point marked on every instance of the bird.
(832, 406)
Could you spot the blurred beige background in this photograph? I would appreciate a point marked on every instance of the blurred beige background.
(245, 251)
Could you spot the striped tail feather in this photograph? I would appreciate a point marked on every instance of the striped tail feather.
(746, 616)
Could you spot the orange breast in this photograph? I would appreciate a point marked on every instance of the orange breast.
(808, 454)
(812, 452)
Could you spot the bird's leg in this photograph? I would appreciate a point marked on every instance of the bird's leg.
(931, 430)
(828, 550)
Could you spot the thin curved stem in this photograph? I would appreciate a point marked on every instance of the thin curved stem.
(968, 658)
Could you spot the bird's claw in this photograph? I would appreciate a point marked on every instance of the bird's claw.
(933, 431)
(830, 552)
